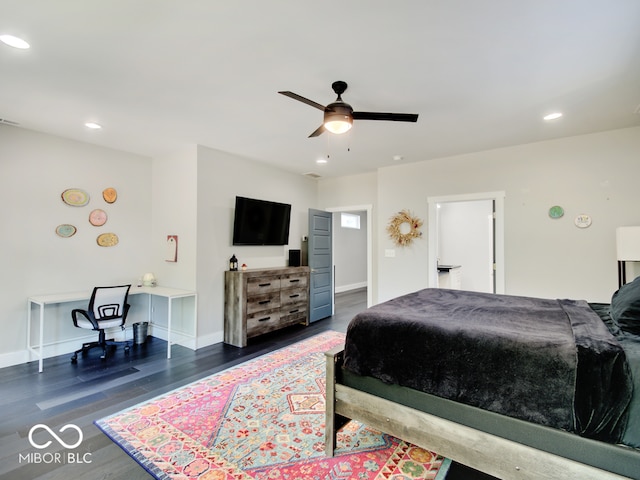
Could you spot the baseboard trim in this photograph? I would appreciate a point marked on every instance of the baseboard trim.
(14, 358)
(186, 340)
(211, 339)
(353, 286)
(69, 346)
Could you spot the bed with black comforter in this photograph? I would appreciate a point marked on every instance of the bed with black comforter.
(545, 364)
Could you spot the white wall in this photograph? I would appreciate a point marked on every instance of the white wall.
(221, 177)
(35, 169)
(190, 193)
(174, 212)
(594, 174)
(353, 190)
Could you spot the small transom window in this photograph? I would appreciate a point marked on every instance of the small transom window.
(350, 220)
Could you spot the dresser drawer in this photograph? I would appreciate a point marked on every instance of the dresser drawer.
(293, 295)
(293, 314)
(263, 322)
(259, 285)
(295, 280)
(265, 301)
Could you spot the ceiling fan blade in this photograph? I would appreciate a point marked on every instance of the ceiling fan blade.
(394, 117)
(318, 131)
(295, 96)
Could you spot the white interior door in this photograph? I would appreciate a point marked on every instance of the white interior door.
(465, 238)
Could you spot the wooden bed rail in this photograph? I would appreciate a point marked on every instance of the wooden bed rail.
(482, 451)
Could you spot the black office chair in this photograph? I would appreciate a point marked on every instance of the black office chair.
(108, 308)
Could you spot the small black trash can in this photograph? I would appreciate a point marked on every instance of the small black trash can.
(140, 332)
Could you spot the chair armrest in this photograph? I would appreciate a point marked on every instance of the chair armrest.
(86, 314)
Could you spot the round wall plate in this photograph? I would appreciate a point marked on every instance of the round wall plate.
(107, 240)
(582, 221)
(98, 217)
(75, 197)
(556, 211)
(65, 230)
(110, 195)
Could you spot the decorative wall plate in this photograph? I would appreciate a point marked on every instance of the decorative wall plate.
(556, 211)
(582, 221)
(65, 230)
(107, 240)
(75, 197)
(110, 195)
(404, 228)
(97, 217)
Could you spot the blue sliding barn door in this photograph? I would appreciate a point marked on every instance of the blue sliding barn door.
(320, 262)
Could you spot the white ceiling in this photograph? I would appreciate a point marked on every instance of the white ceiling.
(159, 74)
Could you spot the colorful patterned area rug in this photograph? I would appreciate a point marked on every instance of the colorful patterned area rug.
(263, 419)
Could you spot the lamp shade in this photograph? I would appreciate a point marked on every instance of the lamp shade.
(628, 244)
(338, 126)
(338, 117)
(149, 280)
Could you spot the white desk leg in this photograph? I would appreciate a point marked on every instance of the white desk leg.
(41, 361)
(169, 327)
(29, 328)
(30, 348)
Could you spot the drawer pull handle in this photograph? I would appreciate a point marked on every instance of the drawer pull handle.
(264, 284)
(294, 296)
(264, 302)
(295, 280)
(294, 311)
(264, 319)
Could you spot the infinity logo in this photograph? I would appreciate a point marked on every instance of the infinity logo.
(60, 441)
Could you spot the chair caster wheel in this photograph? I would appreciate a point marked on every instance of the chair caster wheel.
(126, 350)
(74, 359)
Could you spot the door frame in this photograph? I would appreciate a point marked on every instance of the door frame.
(369, 210)
(498, 238)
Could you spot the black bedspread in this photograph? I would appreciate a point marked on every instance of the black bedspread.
(551, 362)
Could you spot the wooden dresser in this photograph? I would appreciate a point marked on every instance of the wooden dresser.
(258, 301)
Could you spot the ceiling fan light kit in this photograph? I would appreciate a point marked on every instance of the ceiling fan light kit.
(337, 122)
(339, 116)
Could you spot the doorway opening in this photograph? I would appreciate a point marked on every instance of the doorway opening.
(470, 229)
(352, 250)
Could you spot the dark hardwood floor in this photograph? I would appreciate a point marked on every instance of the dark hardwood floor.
(78, 394)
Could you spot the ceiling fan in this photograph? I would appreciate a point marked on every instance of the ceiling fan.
(339, 116)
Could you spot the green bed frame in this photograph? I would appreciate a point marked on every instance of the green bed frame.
(501, 446)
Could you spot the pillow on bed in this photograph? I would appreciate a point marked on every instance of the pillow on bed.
(625, 307)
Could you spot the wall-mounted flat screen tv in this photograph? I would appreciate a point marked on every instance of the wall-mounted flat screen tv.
(260, 222)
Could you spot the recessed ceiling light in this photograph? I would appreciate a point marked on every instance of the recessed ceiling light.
(13, 41)
(322, 161)
(397, 158)
(553, 116)
(93, 126)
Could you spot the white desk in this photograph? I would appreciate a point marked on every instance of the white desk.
(42, 300)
